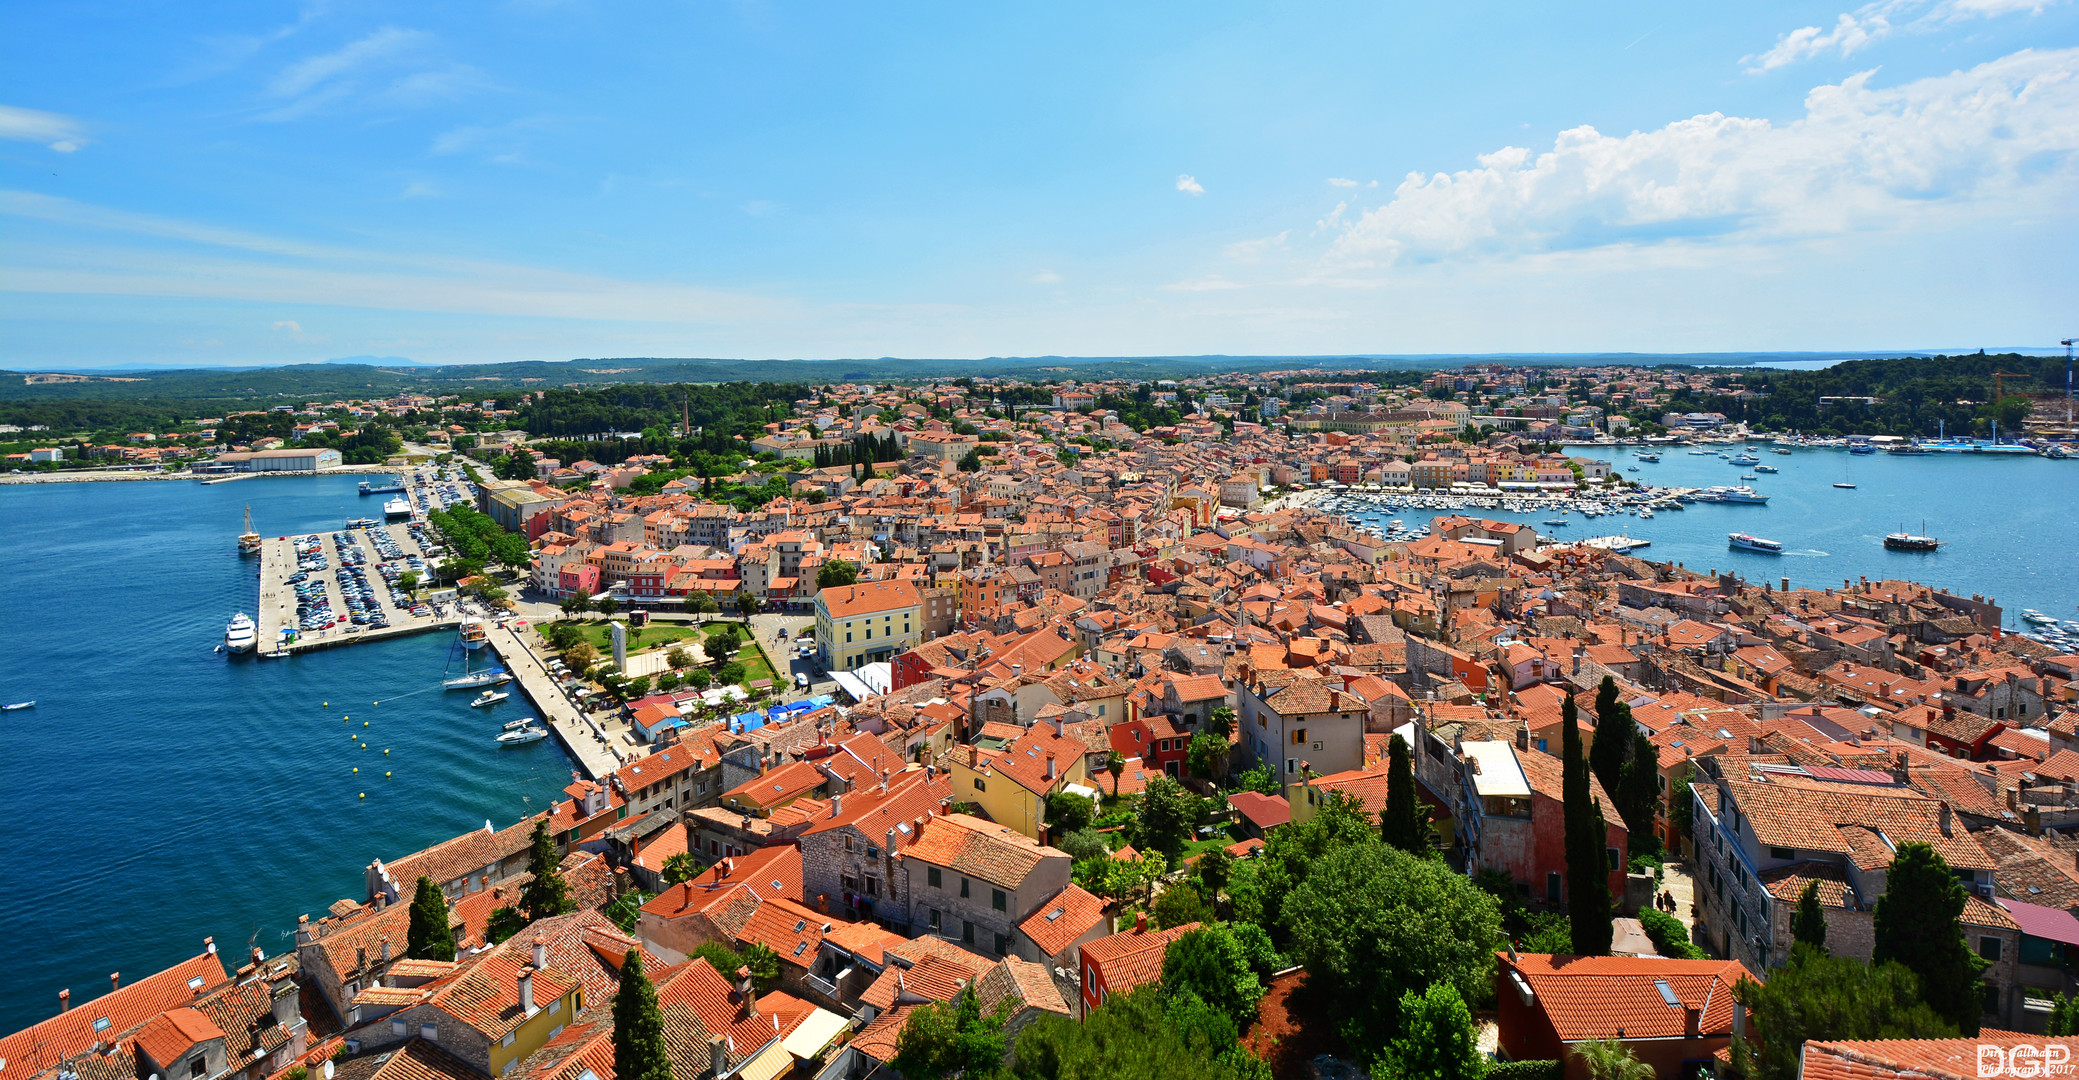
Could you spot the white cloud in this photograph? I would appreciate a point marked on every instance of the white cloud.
(1854, 30)
(1252, 250)
(2000, 138)
(1850, 33)
(291, 326)
(1189, 185)
(60, 133)
(1337, 181)
(381, 46)
(1046, 277)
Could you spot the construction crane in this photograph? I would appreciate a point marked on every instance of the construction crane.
(1998, 397)
(2067, 343)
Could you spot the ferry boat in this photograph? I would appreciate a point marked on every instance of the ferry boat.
(521, 736)
(472, 634)
(1749, 542)
(1901, 541)
(248, 541)
(239, 634)
(382, 489)
(488, 697)
(396, 508)
(475, 679)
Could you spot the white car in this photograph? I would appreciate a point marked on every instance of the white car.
(801, 680)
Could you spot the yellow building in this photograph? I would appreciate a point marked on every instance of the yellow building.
(1011, 785)
(868, 622)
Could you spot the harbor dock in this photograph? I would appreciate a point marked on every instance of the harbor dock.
(277, 608)
(582, 735)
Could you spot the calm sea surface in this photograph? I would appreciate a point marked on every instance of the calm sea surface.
(2011, 524)
(161, 792)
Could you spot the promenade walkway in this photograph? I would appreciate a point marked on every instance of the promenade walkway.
(582, 733)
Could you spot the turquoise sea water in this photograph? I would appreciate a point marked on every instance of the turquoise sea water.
(2011, 524)
(161, 792)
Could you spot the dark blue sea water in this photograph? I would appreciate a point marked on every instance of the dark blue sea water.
(160, 792)
(2011, 523)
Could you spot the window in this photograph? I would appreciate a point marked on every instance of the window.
(200, 1066)
(1299, 736)
(963, 888)
(1783, 853)
(999, 901)
(1989, 948)
(935, 919)
(873, 886)
(979, 786)
(508, 1040)
(397, 1028)
(848, 637)
(848, 842)
(1002, 944)
(1552, 888)
(429, 1031)
(1541, 747)
(967, 932)
(1610, 853)
(933, 878)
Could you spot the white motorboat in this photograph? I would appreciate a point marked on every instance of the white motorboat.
(397, 508)
(239, 634)
(520, 736)
(488, 697)
(31, 704)
(1749, 542)
(516, 725)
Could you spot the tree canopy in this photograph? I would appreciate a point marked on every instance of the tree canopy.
(429, 937)
(545, 893)
(1918, 923)
(951, 1039)
(1828, 997)
(639, 1052)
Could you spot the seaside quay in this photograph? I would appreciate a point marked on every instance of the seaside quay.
(277, 604)
(582, 736)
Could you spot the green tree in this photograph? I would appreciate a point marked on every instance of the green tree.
(1587, 869)
(607, 605)
(764, 965)
(639, 1052)
(1680, 802)
(1808, 925)
(1166, 817)
(1211, 964)
(1115, 763)
(518, 465)
(698, 678)
(1220, 721)
(1263, 955)
(503, 924)
(1207, 756)
(1918, 923)
(1372, 923)
(1068, 812)
(731, 672)
(1436, 1040)
(1614, 729)
(1258, 778)
(1405, 821)
(1291, 852)
(681, 868)
(951, 1039)
(747, 605)
(703, 603)
(409, 581)
(721, 645)
(1828, 997)
(836, 573)
(1213, 869)
(1134, 1036)
(678, 657)
(429, 937)
(1084, 844)
(545, 893)
(1179, 904)
(1610, 1059)
(1637, 794)
(2064, 1016)
(1132, 879)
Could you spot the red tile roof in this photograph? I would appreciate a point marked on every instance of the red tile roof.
(1062, 920)
(39, 1046)
(1914, 1059)
(1591, 997)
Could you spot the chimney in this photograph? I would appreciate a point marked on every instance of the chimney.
(386, 952)
(541, 950)
(717, 1056)
(115, 979)
(1523, 737)
(1945, 819)
(744, 994)
(1140, 923)
(1050, 766)
(1059, 733)
(527, 991)
(891, 842)
(1692, 1021)
(64, 1000)
(837, 805)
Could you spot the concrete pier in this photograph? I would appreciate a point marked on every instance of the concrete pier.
(582, 734)
(277, 607)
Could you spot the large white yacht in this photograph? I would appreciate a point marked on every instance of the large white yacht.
(240, 634)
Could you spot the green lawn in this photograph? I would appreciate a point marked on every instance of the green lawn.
(652, 635)
(752, 655)
(1228, 835)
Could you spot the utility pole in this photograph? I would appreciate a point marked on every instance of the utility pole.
(2067, 343)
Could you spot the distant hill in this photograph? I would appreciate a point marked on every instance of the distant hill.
(382, 361)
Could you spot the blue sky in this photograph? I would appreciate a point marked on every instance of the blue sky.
(266, 182)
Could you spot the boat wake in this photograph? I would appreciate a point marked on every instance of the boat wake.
(1809, 553)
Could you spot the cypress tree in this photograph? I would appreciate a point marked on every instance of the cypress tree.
(1917, 923)
(1638, 792)
(1808, 926)
(429, 936)
(545, 894)
(1587, 871)
(1404, 823)
(638, 1026)
(1613, 732)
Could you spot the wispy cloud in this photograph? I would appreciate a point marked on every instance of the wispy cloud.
(1855, 30)
(391, 67)
(209, 262)
(379, 47)
(2000, 137)
(1045, 277)
(1189, 185)
(1252, 250)
(1338, 181)
(59, 132)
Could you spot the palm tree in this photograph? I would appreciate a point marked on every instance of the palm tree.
(1116, 765)
(1609, 1059)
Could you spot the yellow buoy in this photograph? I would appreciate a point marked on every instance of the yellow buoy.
(386, 749)
(386, 776)
(357, 768)
(364, 723)
(328, 704)
(364, 794)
